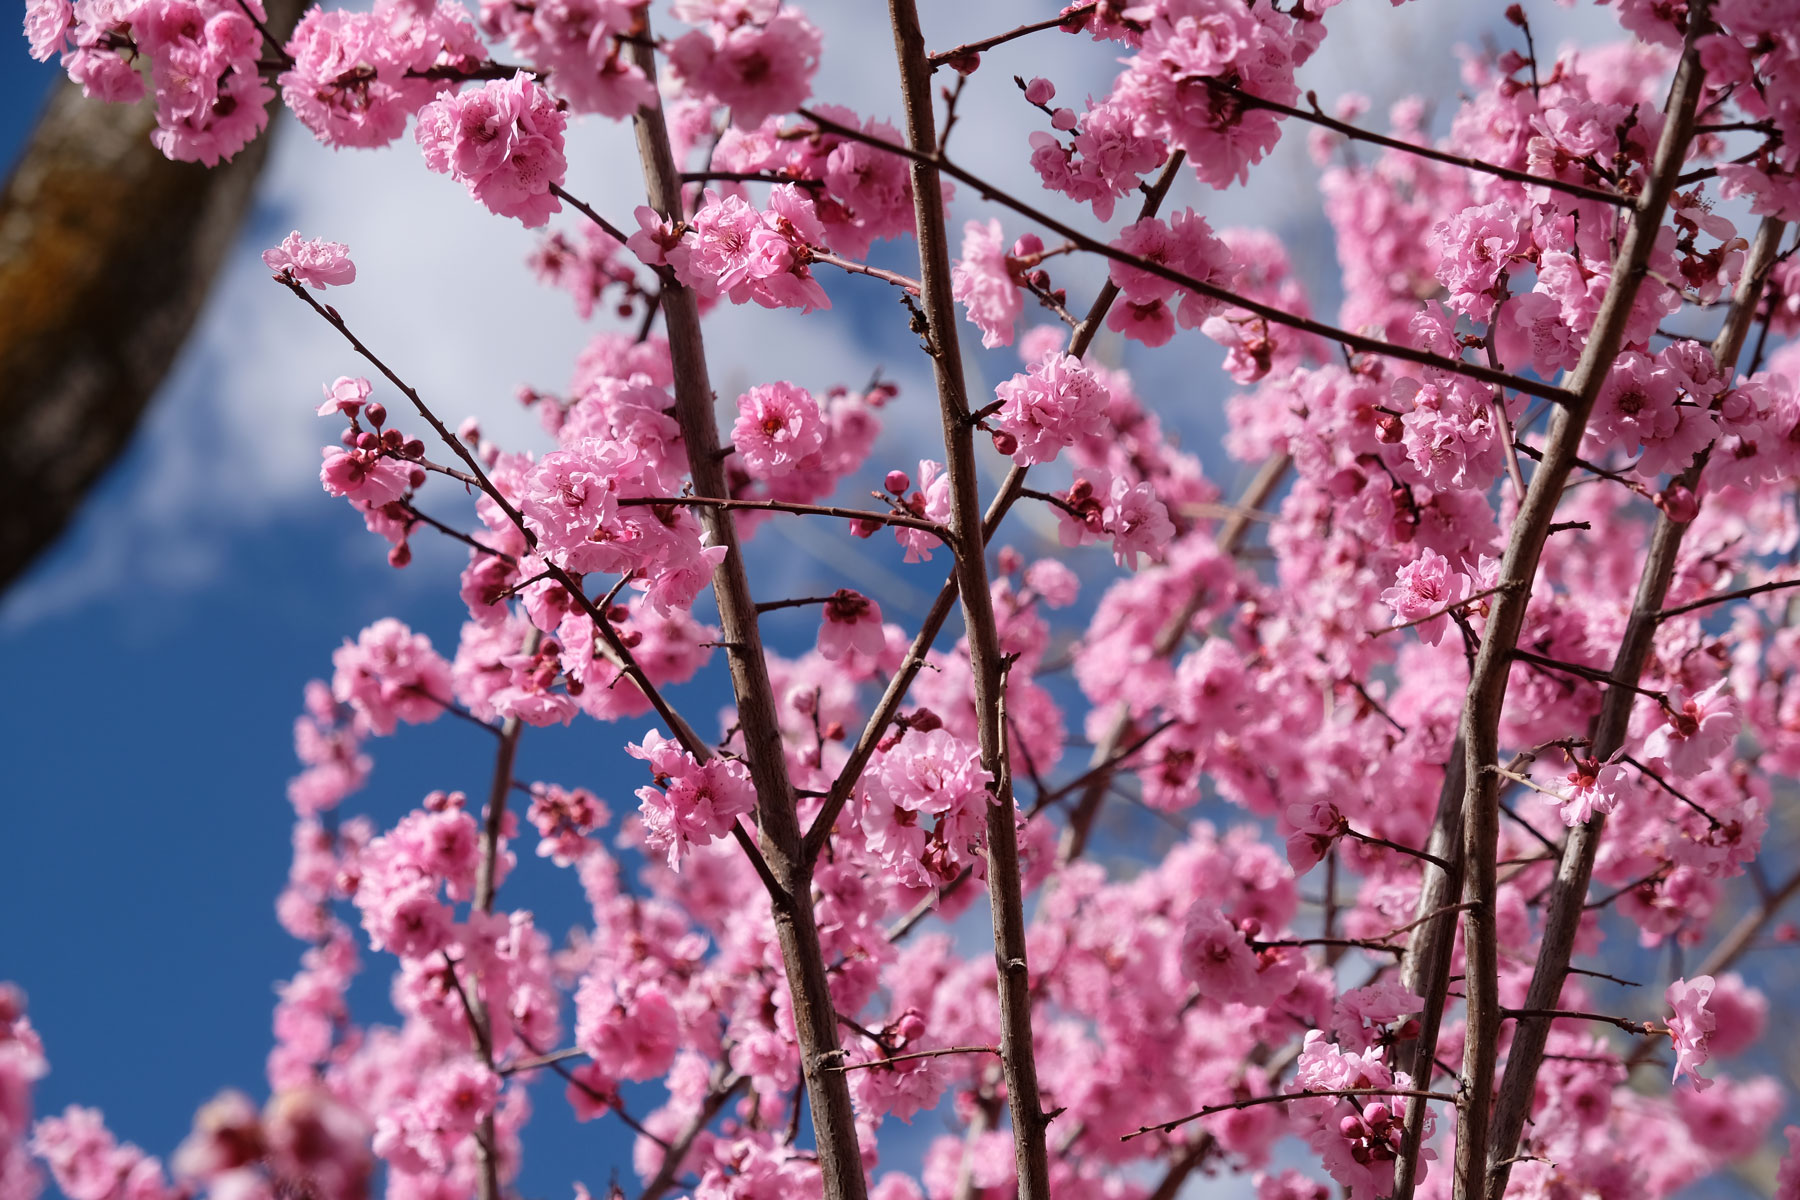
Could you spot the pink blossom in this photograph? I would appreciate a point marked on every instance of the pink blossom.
(1691, 1023)
(568, 497)
(356, 76)
(1593, 788)
(1217, 959)
(1138, 523)
(391, 674)
(751, 256)
(47, 25)
(503, 141)
(629, 1036)
(1055, 405)
(1426, 585)
(693, 803)
(778, 425)
(1477, 246)
(210, 97)
(1317, 826)
(1741, 1013)
(317, 262)
(83, 1157)
(852, 627)
(577, 43)
(1363, 1013)
(754, 68)
(984, 282)
(1787, 1176)
(1694, 736)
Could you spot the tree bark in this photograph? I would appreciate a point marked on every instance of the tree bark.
(107, 252)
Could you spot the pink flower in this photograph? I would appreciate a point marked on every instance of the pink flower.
(1594, 788)
(1690, 1024)
(1056, 404)
(47, 25)
(693, 803)
(391, 674)
(755, 69)
(984, 282)
(83, 1157)
(1475, 246)
(1217, 959)
(1317, 827)
(778, 425)
(1695, 736)
(1138, 523)
(1362, 1013)
(1787, 1176)
(852, 627)
(344, 395)
(317, 262)
(1424, 586)
(356, 76)
(567, 497)
(503, 141)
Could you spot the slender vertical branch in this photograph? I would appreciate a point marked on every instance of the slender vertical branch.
(1487, 683)
(1080, 338)
(1004, 887)
(722, 1088)
(488, 1184)
(1568, 895)
(815, 1021)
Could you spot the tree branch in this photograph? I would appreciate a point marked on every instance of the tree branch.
(815, 1021)
(1568, 895)
(1487, 684)
(985, 657)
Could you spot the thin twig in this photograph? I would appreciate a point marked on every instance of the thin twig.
(1068, 19)
(1268, 312)
(1284, 1098)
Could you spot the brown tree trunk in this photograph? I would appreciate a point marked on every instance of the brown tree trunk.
(107, 251)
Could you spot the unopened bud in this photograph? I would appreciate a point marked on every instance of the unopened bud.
(1040, 91)
(1678, 504)
(1005, 442)
(897, 482)
(376, 413)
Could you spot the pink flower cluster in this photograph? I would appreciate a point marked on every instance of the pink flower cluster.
(1357, 1139)
(924, 809)
(504, 142)
(210, 98)
(693, 803)
(315, 262)
(865, 193)
(577, 44)
(355, 77)
(986, 282)
(755, 57)
(730, 249)
(1185, 244)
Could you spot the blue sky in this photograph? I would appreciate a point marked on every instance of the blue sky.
(155, 658)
